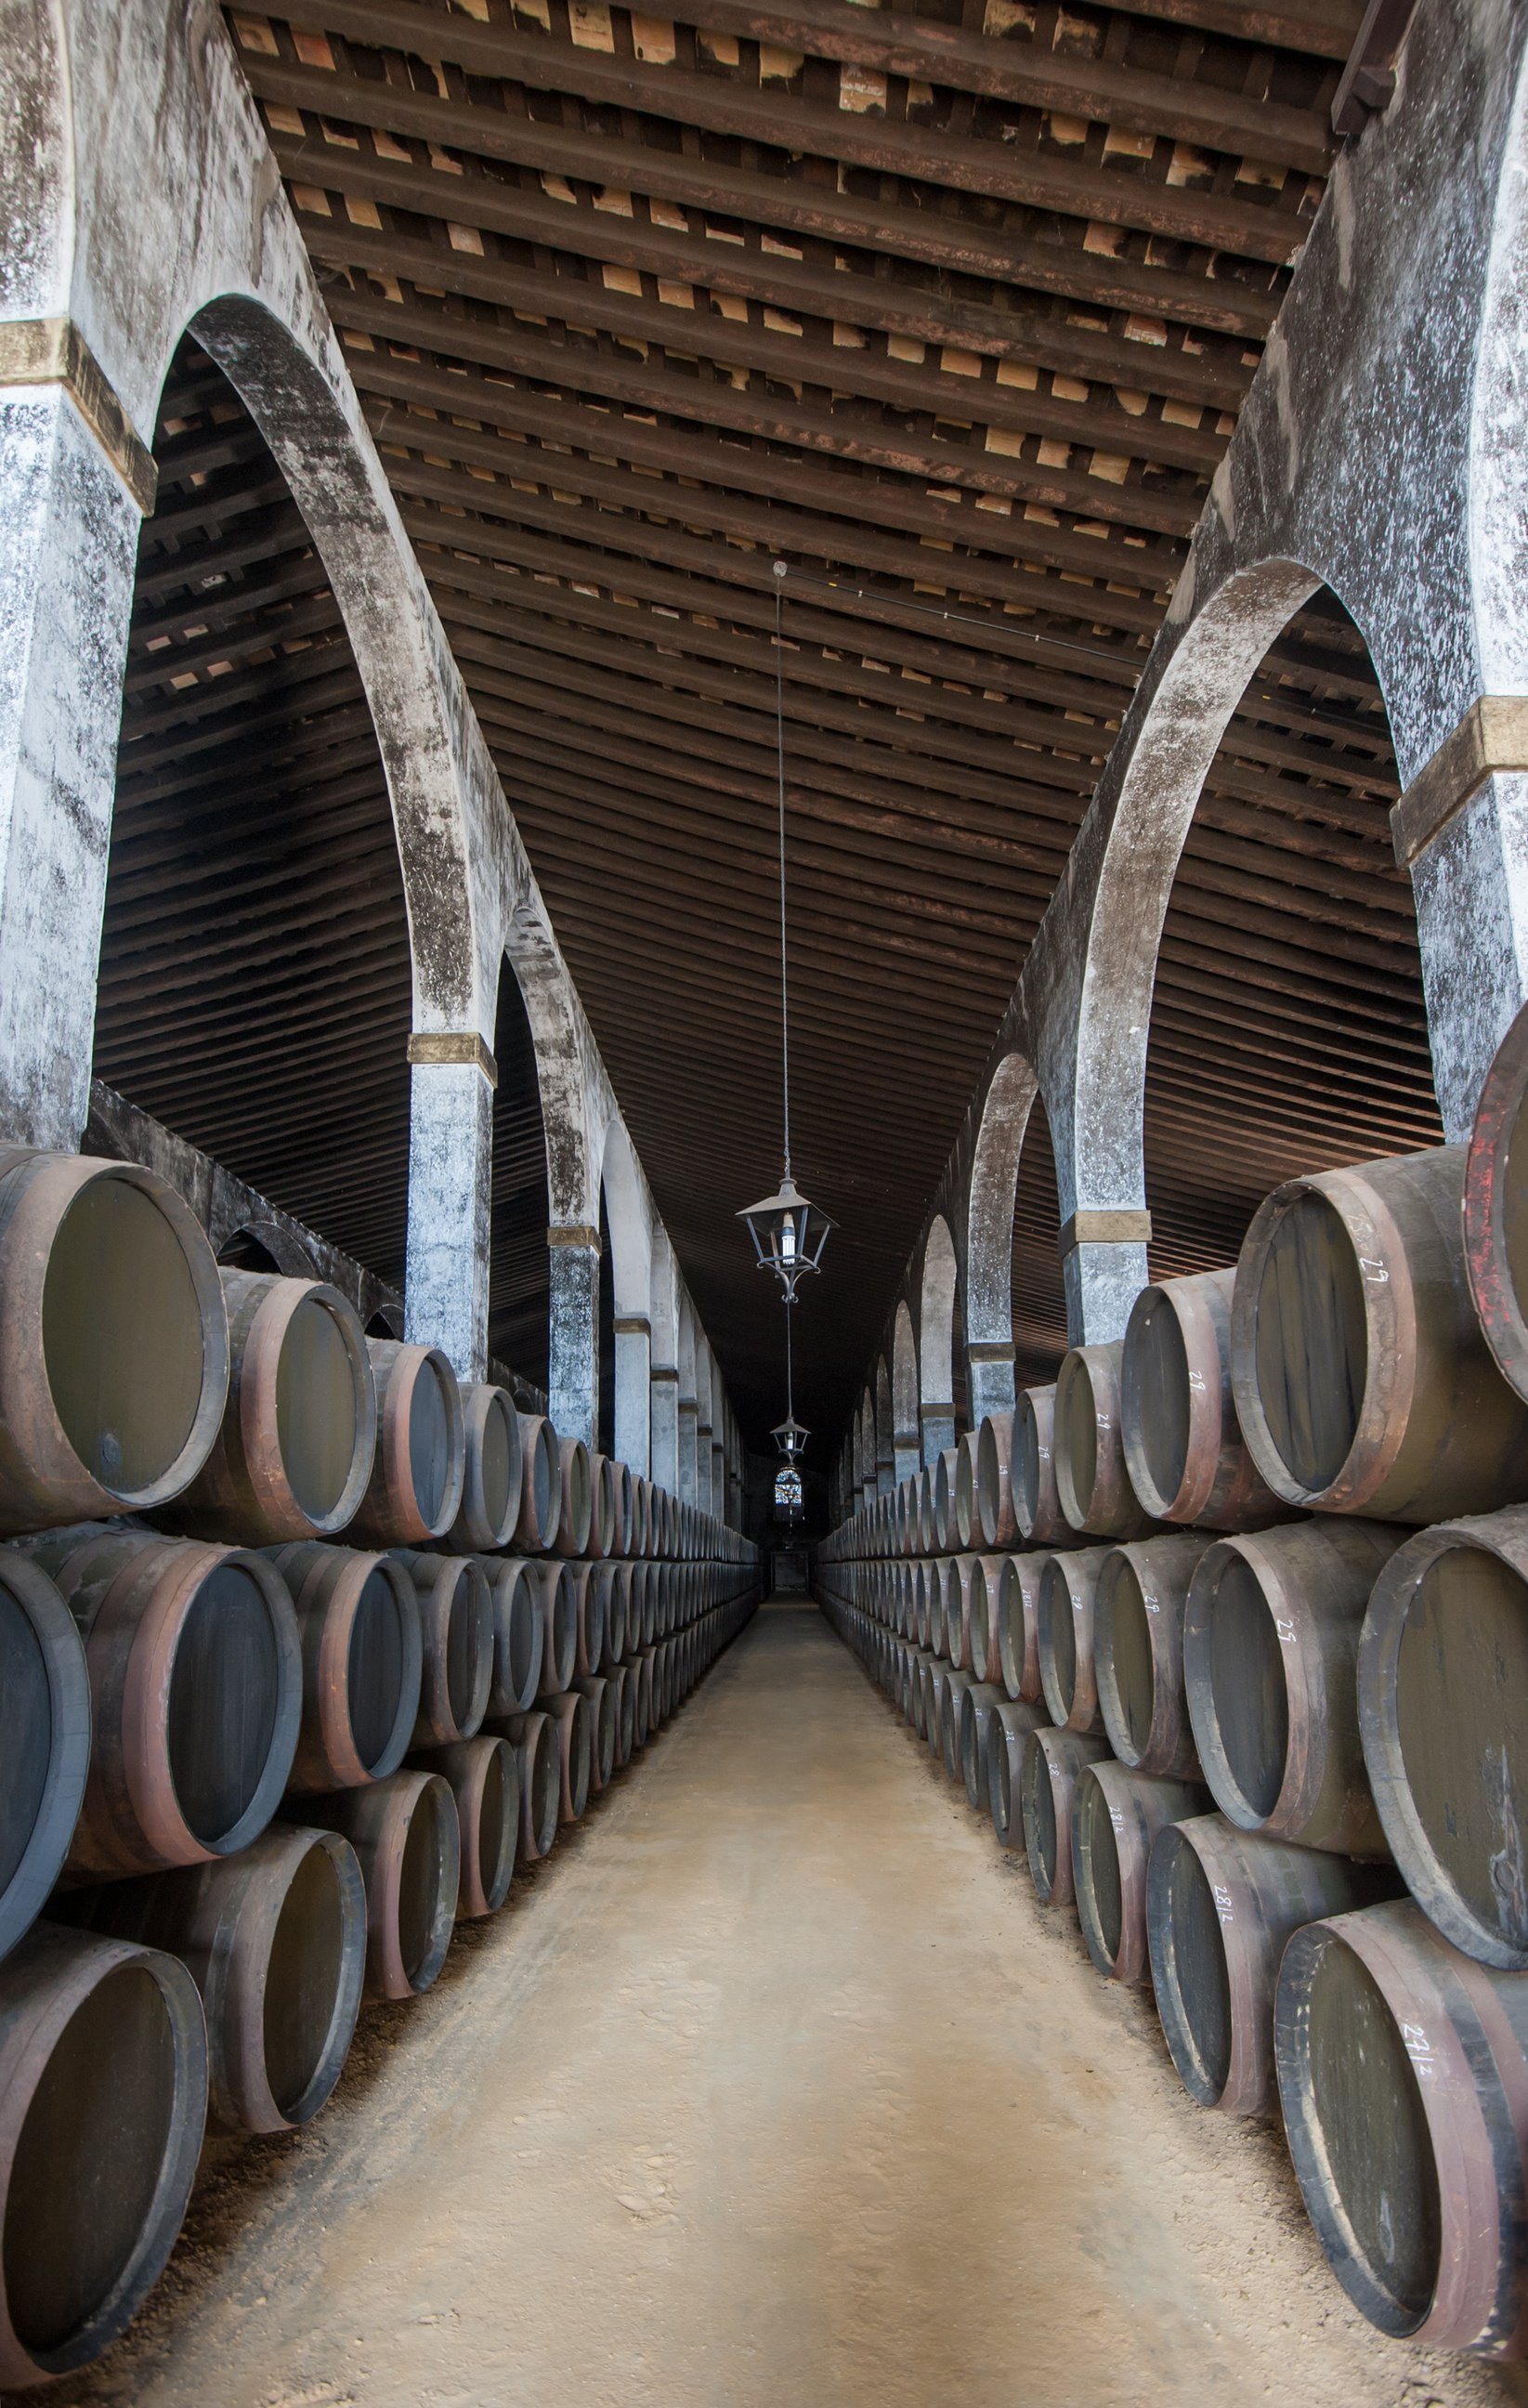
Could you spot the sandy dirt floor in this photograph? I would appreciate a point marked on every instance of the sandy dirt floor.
(775, 2089)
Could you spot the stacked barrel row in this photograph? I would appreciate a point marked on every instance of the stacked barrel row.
(1228, 1631)
(303, 1646)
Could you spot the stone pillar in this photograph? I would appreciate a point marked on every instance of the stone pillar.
(451, 1150)
(989, 1380)
(688, 1413)
(703, 1464)
(938, 1423)
(634, 1390)
(719, 1480)
(907, 1454)
(573, 1344)
(1102, 1263)
(665, 1426)
(75, 484)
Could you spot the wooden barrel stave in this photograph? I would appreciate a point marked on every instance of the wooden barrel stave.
(1052, 1761)
(483, 1776)
(405, 1835)
(1116, 1814)
(415, 1490)
(1138, 1611)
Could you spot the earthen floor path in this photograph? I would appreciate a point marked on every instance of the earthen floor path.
(773, 2089)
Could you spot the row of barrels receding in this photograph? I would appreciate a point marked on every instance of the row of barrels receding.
(1178, 1625)
(241, 1791)
(249, 1408)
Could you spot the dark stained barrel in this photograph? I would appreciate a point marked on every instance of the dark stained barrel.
(1221, 1905)
(572, 1725)
(1032, 1470)
(457, 1632)
(1116, 1814)
(625, 1694)
(1050, 1767)
(984, 1591)
(1363, 1382)
(1139, 1609)
(1013, 1719)
(519, 1631)
(404, 1831)
(1443, 1714)
(1402, 2072)
(978, 1707)
(534, 1739)
(951, 1713)
(576, 1497)
(1183, 1446)
(541, 1485)
(275, 1940)
(557, 1604)
(103, 2103)
(294, 1449)
(1270, 1647)
(197, 1691)
(604, 1506)
(1018, 1624)
(589, 1592)
(114, 1345)
(616, 1589)
(604, 1704)
(415, 1490)
(946, 1529)
(45, 1739)
(967, 1528)
(997, 1526)
(363, 1662)
(1091, 1483)
(1063, 1631)
(493, 1469)
(483, 1777)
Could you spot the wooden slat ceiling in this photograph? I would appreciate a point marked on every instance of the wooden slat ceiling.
(952, 309)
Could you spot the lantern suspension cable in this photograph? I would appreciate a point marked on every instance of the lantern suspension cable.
(789, 1233)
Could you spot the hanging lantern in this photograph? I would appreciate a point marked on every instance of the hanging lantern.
(789, 1234)
(790, 1438)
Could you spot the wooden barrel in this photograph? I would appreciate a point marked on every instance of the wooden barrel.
(1063, 1633)
(1183, 1445)
(114, 1341)
(1402, 2072)
(978, 1707)
(626, 1696)
(1270, 1648)
(415, 1490)
(492, 1470)
(1116, 1814)
(483, 1777)
(1048, 1769)
(519, 1632)
(457, 1633)
(541, 1485)
(1013, 1719)
(572, 1726)
(985, 1586)
(404, 1831)
(363, 1662)
(926, 1528)
(1363, 1382)
(1219, 1906)
(196, 1692)
(967, 1529)
(603, 1707)
(1443, 1715)
(1139, 1609)
(997, 1526)
(275, 1940)
(645, 1705)
(558, 1605)
(959, 1570)
(946, 1532)
(603, 1505)
(1031, 1470)
(294, 1449)
(103, 2103)
(576, 1497)
(938, 1690)
(1091, 1483)
(535, 1741)
(44, 1752)
(589, 1595)
(616, 1590)
(1018, 1624)
(951, 1723)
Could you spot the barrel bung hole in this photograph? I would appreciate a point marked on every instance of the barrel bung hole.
(1154, 1383)
(27, 1754)
(1058, 1632)
(303, 1980)
(1077, 1431)
(1311, 1341)
(318, 1409)
(1248, 1693)
(92, 2147)
(122, 1337)
(1462, 1721)
(1201, 1984)
(225, 1691)
(419, 1881)
(430, 1442)
(1367, 2106)
(378, 1653)
(1124, 1645)
(1100, 1857)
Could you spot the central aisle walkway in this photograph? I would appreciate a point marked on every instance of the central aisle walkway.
(774, 2090)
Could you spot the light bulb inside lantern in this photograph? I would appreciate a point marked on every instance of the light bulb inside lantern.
(788, 1238)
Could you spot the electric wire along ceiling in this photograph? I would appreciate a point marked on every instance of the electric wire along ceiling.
(951, 312)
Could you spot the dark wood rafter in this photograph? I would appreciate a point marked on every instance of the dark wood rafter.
(951, 307)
